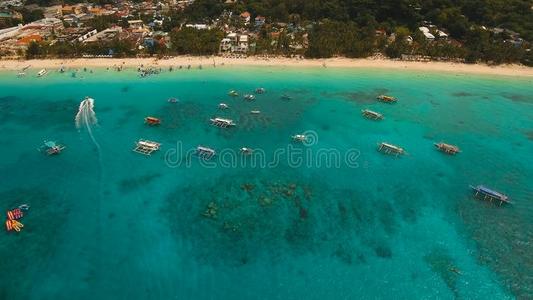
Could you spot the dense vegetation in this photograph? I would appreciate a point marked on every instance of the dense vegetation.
(348, 27)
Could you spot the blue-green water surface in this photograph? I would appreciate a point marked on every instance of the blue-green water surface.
(109, 223)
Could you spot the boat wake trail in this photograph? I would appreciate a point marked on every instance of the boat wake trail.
(86, 117)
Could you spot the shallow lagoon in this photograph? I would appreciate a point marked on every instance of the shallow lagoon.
(117, 225)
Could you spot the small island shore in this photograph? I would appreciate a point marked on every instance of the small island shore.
(194, 61)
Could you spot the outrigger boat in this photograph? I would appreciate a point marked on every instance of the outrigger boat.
(146, 147)
(223, 106)
(233, 93)
(299, 138)
(205, 152)
(221, 122)
(255, 112)
(152, 121)
(390, 149)
(487, 194)
(51, 148)
(388, 99)
(172, 100)
(372, 114)
(21, 74)
(260, 91)
(246, 151)
(447, 148)
(41, 73)
(249, 97)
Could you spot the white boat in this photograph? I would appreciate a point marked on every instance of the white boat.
(223, 106)
(249, 97)
(221, 122)
(299, 138)
(41, 73)
(21, 74)
(245, 150)
(255, 112)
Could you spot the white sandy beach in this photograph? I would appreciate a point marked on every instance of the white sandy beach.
(194, 61)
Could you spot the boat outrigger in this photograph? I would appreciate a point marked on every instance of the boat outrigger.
(152, 121)
(485, 193)
(447, 148)
(372, 114)
(146, 147)
(51, 148)
(221, 122)
(299, 138)
(260, 91)
(390, 149)
(233, 93)
(387, 99)
(223, 106)
(41, 73)
(205, 152)
(249, 97)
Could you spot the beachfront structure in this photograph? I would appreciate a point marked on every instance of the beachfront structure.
(234, 43)
(485, 193)
(146, 147)
(390, 149)
(426, 33)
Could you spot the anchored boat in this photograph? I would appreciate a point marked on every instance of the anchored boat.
(249, 97)
(260, 91)
(299, 138)
(233, 93)
(205, 152)
(387, 99)
(390, 149)
(152, 121)
(447, 148)
(146, 147)
(246, 151)
(222, 123)
(223, 106)
(485, 193)
(372, 114)
(255, 112)
(51, 148)
(41, 73)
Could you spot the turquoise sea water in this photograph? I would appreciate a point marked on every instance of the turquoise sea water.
(113, 224)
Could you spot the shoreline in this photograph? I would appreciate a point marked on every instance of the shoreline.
(448, 67)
